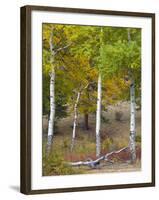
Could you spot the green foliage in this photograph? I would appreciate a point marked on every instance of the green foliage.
(122, 54)
(92, 50)
(55, 165)
(138, 138)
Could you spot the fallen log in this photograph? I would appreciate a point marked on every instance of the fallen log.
(95, 163)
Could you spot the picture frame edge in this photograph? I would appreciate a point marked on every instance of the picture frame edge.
(89, 11)
(25, 97)
(25, 92)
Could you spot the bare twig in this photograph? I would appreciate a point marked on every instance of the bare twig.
(62, 48)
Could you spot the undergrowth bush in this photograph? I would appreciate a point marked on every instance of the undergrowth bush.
(66, 143)
(138, 138)
(54, 164)
(118, 115)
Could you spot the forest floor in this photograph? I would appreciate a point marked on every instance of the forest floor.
(115, 167)
(114, 136)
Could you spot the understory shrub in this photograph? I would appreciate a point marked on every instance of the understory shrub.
(54, 164)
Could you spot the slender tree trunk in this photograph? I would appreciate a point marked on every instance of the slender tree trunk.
(52, 111)
(86, 122)
(132, 122)
(98, 116)
(132, 114)
(52, 89)
(99, 100)
(52, 97)
(75, 120)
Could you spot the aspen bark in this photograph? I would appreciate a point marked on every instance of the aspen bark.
(52, 97)
(99, 100)
(53, 52)
(52, 111)
(132, 114)
(132, 122)
(98, 116)
(75, 120)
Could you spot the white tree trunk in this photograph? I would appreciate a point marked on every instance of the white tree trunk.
(52, 111)
(75, 120)
(52, 96)
(98, 116)
(132, 121)
(99, 100)
(52, 89)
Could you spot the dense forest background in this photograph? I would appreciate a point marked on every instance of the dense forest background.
(91, 99)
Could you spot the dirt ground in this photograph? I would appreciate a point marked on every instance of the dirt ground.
(116, 167)
(110, 127)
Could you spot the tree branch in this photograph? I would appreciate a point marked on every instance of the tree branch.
(62, 48)
(51, 40)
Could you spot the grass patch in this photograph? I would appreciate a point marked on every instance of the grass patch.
(55, 164)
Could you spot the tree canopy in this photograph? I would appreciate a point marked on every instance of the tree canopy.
(112, 51)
